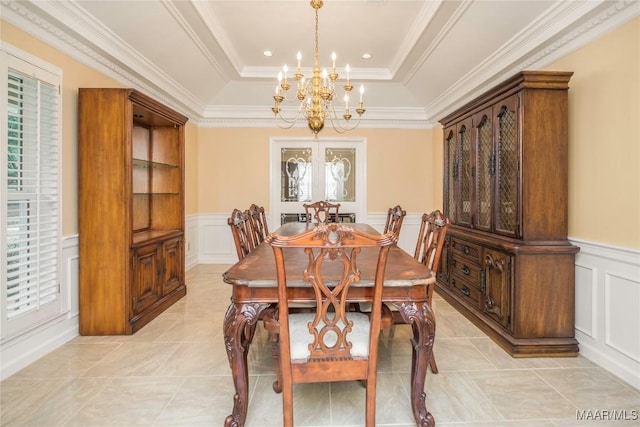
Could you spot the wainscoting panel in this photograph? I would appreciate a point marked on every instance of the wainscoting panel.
(191, 241)
(608, 308)
(215, 241)
(621, 296)
(586, 320)
(19, 351)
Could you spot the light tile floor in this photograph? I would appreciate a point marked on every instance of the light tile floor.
(174, 372)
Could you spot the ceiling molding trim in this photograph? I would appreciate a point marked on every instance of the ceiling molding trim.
(212, 23)
(271, 73)
(462, 8)
(614, 16)
(269, 123)
(41, 27)
(419, 25)
(193, 36)
(260, 116)
(524, 51)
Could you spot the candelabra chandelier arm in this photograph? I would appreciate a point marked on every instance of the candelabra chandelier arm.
(316, 95)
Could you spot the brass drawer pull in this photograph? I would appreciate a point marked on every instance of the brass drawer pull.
(465, 291)
(466, 249)
(465, 270)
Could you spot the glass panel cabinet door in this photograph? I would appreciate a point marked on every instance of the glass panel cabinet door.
(465, 133)
(452, 175)
(485, 169)
(507, 180)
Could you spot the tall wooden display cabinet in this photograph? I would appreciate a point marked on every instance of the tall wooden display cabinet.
(131, 209)
(508, 265)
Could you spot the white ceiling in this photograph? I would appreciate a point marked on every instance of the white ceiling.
(205, 58)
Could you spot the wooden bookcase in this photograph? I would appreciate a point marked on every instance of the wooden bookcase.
(507, 264)
(131, 209)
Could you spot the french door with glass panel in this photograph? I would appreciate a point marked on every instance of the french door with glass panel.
(306, 170)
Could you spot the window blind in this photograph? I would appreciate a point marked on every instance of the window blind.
(32, 195)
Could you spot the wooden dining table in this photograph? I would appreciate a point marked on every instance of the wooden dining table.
(254, 290)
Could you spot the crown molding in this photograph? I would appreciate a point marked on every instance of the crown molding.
(540, 44)
(426, 14)
(270, 73)
(259, 116)
(66, 26)
(88, 42)
(462, 7)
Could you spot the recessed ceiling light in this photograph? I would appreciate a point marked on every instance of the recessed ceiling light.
(367, 56)
(267, 53)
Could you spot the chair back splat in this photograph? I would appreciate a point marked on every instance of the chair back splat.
(242, 233)
(258, 221)
(331, 343)
(433, 230)
(395, 216)
(321, 212)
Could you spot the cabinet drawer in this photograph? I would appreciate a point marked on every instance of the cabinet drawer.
(466, 290)
(469, 250)
(466, 269)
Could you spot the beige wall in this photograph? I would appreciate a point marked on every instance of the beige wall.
(604, 138)
(228, 168)
(191, 169)
(233, 168)
(75, 75)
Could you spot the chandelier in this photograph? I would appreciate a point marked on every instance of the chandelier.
(316, 95)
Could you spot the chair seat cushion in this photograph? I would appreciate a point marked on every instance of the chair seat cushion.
(301, 338)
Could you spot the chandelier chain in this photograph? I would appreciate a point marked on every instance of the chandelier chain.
(316, 53)
(316, 95)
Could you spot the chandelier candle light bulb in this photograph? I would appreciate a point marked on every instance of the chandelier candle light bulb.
(315, 95)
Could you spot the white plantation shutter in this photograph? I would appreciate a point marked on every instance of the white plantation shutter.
(31, 193)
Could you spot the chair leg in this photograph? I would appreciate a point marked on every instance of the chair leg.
(272, 326)
(287, 406)
(432, 364)
(370, 405)
(275, 351)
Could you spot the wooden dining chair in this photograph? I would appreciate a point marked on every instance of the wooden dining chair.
(242, 233)
(321, 212)
(395, 216)
(330, 344)
(433, 230)
(258, 222)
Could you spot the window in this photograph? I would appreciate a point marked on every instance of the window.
(30, 193)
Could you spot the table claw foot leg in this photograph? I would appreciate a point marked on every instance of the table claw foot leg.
(239, 326)
(423, 323)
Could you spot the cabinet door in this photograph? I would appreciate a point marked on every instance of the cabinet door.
(445, 261)
(507, 167)
(173, 253)
(485, 170)
(145, 287)
(497, 286)
(451, 175)
(466, 172)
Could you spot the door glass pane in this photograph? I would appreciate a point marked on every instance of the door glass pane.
(485, 162)
(295, 175)
(453, 177)
(340, 177)
(507, 170)
(465, 176)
